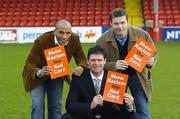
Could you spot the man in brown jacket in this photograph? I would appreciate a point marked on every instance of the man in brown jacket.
(117, 42)
(36, 72)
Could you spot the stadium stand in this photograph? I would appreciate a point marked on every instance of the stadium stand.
(169, 12)
(26, 13)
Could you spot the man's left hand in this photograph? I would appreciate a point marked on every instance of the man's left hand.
(129, 100)
(78, 71)
(151, 61)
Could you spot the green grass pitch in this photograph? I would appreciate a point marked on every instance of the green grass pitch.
(16, 104)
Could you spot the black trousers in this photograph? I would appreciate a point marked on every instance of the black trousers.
(131, 115)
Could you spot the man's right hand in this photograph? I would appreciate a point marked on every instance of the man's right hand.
(121, 64)
(44, 71)
(97, 100)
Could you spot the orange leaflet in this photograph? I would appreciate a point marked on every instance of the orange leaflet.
(56, 58)
(115, 87)
(140, 54)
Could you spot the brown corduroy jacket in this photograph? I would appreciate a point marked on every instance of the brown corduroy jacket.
(36, 59)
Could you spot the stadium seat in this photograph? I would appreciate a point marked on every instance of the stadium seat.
(45, 23)
(83, 22)
(75, 22)
(30, 23)
(98, 22)
(2, 23)
(38, 23)
(90, 22)
(23, 23)
(8, 23)
(105, 23)
(52, 23)
(33, 10)
(16, 23)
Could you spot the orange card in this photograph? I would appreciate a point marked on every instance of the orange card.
(56, 58)
(115, 87)
(140, 54)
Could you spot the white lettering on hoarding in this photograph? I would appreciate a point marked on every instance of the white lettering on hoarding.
(173, 34)
(8, 35)
(31, 35)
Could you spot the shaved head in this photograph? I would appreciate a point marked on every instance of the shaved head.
(63, 31)
(62, 24)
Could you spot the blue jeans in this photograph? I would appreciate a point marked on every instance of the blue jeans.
(53, 89)
(140, 98)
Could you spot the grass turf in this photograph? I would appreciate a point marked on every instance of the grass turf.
(15, 103)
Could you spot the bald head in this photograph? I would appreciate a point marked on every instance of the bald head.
(60, 24)
(62, 31)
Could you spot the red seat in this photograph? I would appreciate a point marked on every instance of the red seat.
(105, 23)
(45, 23)
(90, 13)
(16, 23)
(83, 22)
(170, 22)
(2, 23)
(8, 23)
(83, 17)
(30, 23)
(23, 23)
(46, 17)
(177, 22)
(177, 16)
(68, 18)
(54, 17)
(75, 13)
(38, 23)
(75, 17)
(98, 13)
(98, 17)
(47, 13)
(83, 13)
(90, 23)
(39, 17)
(91, 17)
(52, 23)
(98, 22)
(75, 22)
(31, 18)
(17, 18)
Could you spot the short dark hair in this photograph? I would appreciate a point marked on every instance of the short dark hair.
(96, 50)
(118, 12)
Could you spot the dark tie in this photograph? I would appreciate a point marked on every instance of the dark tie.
(97, 85)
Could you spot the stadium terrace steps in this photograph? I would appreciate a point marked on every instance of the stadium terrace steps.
(134, 10)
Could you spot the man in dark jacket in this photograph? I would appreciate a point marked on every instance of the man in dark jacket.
(36, 72)
(85, 101)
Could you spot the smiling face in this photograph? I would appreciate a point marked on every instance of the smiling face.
(63, 32)
(96, 63)
(120, 26)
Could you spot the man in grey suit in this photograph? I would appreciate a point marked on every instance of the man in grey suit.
(117, 42)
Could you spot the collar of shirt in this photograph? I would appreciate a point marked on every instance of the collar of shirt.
(55, 40)
(120, 41)
(99, 77)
